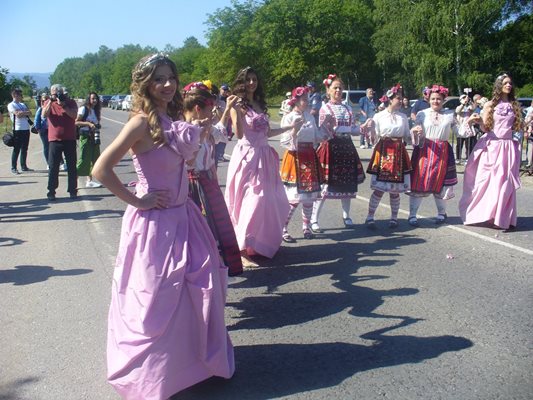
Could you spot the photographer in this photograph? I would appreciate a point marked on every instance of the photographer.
(465, 136)
(88, 123)
(61, 112)
(20, 118)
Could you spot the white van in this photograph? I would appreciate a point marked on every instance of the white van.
(352, 97)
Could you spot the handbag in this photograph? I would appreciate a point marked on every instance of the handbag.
(33, 129)
(8, 138)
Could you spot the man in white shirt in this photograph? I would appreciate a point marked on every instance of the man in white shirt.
(19, 114)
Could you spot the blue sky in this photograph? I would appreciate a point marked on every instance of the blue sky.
(37, 35)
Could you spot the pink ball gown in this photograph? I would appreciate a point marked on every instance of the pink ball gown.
(492, 174)
(166, 327)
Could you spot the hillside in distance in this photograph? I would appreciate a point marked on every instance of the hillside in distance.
(42, 79)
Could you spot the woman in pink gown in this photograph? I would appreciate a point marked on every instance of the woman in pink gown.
(166, 327)
(255, 195)
(492, 171)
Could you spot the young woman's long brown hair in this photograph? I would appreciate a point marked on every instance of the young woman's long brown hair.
(141, 76)
(496, 97)
(239, 88)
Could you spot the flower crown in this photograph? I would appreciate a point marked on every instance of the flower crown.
(393, 90)
(439, 89)
(296, 93)
(329, 80)
(195, 85)
(208, 83)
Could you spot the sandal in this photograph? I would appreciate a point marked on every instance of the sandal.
(308, 234)
(348, 223)
(370, 223)
(441, 218)
(315, 228)
(393, 223)
(287, 238)
(412, 221)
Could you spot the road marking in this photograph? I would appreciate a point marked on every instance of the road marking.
(465, 231)
(114, 120)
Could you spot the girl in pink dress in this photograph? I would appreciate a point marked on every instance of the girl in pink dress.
(166, 320)
(255, 196)
(492, 172)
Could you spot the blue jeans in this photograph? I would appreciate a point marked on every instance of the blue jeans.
(43, 133)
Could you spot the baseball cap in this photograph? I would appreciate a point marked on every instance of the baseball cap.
(224, 86)
(310, 84)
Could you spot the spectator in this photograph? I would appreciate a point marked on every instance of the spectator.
(20, 114)
(420, 104)
(492, 174)
(343, 170)
(433, 162)
(405, 108)
(285, 107)
(315, 101)
(255, 196)
(41, 124)
(166, 320)
(61, 112)
(465, 136)
(300, 170)
(389, 165)
(88, 123)
(368, 110)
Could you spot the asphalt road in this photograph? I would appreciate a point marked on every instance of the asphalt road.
(436, 312)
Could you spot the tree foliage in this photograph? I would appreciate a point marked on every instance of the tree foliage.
(369, 43)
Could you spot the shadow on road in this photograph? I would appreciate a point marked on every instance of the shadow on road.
(28, 274)
(9, 391)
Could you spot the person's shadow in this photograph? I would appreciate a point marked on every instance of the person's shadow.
(28, 274)
(272, 370)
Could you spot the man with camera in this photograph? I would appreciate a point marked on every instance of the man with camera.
(20, 117)
(61, 112)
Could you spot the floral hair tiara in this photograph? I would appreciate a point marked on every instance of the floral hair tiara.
(502, 77)
(329, 80)
(439, 89)
(208, 83)
(393, 90)
(195, 86)
(296, 93)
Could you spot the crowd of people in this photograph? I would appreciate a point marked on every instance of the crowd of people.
(182, 238)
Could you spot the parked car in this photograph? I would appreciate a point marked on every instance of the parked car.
(126, 103)
(450, 103)
(525, 102)
(352, 97)
(115, 103)
(104, 99)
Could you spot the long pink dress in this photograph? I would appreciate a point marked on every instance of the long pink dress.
(255, 195)
(492, 175)
(166, 320)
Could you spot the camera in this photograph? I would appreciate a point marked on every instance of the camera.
(97, 134)
(62, 97)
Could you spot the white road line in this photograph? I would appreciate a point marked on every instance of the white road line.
(114, 120)
(464, 231)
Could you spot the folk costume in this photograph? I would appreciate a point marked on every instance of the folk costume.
(166, 320)
(205, 192)
(338, 156)
(300, 170)
(492, 174)
(255, 196)
(389, 165)
(434, 171)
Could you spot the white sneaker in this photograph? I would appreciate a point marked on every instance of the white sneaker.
(363, 146)
(93, 184)
(64, 167)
